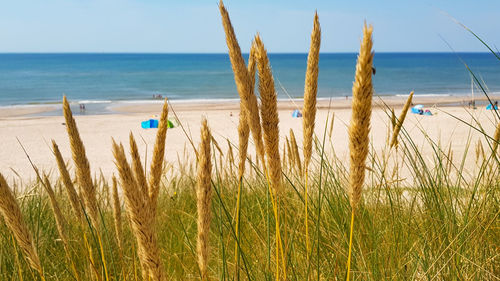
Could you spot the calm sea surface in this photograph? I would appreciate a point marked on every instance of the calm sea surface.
(114, 78)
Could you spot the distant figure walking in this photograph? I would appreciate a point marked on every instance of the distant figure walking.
(82, 107)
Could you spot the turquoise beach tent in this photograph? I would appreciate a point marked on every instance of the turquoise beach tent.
(296, 114)
(153, 123)
(490, 107)
(417, 109)
(148, 124)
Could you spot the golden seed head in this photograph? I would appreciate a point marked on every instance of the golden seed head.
(117, 214)
(244, 78)
(157, 161)
(269, 113)
(295, 151)
(362, 92)
(82, 165)
(310, 91)
(243, 134)
(141, 220)
(15, 222)
(74, 199)
(400, 121)
(204, 198)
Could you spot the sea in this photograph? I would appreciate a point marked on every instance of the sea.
(103, 80)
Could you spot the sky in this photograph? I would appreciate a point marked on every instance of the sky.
(163, 26)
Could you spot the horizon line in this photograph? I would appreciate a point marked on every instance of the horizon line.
(225, 53)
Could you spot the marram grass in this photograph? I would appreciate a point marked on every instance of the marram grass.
(423, 234)
(84, 179)
(309, 116)
(204, 199)
(244, 80)
(401, 119)
(362, 92)
(13, 219)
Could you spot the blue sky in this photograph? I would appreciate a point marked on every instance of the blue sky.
(285, 26)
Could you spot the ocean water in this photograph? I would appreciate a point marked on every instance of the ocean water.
(102, 79)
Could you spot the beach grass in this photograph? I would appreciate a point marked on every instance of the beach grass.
(395, 213)
(440, 227)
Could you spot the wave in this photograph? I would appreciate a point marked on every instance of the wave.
(14, 106)
(425, 95)
(175, 101)
(92, 101)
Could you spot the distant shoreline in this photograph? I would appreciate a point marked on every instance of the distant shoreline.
(107, 107)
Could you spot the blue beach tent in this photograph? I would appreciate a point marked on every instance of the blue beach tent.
(417, 109)
(148, 124)
(153, 123)
(490, 107)
(296, 113)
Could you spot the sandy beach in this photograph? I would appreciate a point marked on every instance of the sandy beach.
(36, 132)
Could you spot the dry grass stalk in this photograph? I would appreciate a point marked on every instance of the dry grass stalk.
(252, 68)
(106, 193)
(257, 157)
(291, 160)
(216, 144)
(221, 167)
(141, 219)
(359, 128)
(309, 114)
(270, 123)
(391, 126)
(362, 93)
(14, 221)
(82, 165)
(74, 199)
(117, 215)
(204, 198)
(295, 151)
(269, 113)
(141, 198)
(400, 120)
(284, 159)
(230, 154)
(310, 91)
(393, 119)
(479, 151)
(331, 125)
(250, 162)
(157, 161)
(253, 113)
(243, 134)
(60, 221)
(140, 176)
(244, 118)
(449, 158)
(244, 80)
(496, 139)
